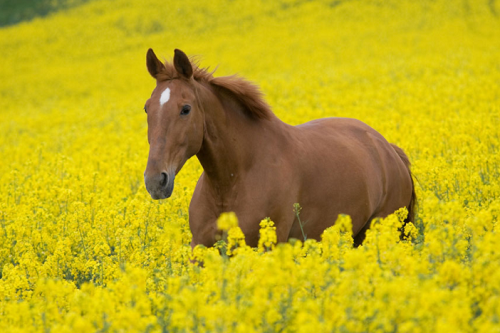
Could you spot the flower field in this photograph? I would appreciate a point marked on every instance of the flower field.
(83, 247)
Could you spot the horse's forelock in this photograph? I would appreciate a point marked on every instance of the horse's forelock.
(170, 73)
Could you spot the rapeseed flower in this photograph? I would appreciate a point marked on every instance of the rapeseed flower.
(83, 247)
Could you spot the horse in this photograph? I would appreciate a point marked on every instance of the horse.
(258, 166)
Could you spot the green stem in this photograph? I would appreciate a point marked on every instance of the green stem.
(297, 210)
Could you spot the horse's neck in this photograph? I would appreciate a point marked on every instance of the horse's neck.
(230, 143)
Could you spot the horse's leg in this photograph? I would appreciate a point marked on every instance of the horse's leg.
(360, 236)
(282, 233)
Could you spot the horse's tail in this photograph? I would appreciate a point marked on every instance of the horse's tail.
(413, 200)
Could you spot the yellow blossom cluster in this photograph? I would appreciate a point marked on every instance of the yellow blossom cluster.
(83, 247)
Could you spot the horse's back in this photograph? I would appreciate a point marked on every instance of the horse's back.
(347, 144)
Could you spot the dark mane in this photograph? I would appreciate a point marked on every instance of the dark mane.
(245, 92)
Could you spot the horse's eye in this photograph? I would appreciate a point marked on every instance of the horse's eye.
(145, 110)
(185, 110)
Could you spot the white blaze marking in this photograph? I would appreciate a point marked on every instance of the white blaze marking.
(165, 96)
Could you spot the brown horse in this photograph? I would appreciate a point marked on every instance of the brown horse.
(257, 166)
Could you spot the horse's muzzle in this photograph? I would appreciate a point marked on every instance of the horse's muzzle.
(160, 186)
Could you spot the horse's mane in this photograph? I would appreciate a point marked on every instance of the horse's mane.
(245, 92)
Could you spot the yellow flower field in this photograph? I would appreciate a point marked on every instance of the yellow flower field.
(83, 247)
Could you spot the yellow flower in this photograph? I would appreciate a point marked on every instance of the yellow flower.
(268, 238)
(83, 247)
(227, 221)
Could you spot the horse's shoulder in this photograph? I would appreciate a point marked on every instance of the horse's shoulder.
(200, 193)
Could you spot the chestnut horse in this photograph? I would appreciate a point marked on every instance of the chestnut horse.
(257, 166)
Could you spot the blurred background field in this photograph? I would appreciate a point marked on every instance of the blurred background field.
(13, 12)
(84, 248)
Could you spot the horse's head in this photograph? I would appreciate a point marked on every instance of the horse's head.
(175, 123)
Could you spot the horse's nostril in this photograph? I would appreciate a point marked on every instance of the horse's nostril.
(164, 178)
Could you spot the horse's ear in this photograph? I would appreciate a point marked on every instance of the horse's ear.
(182, 64)
(155, 66)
